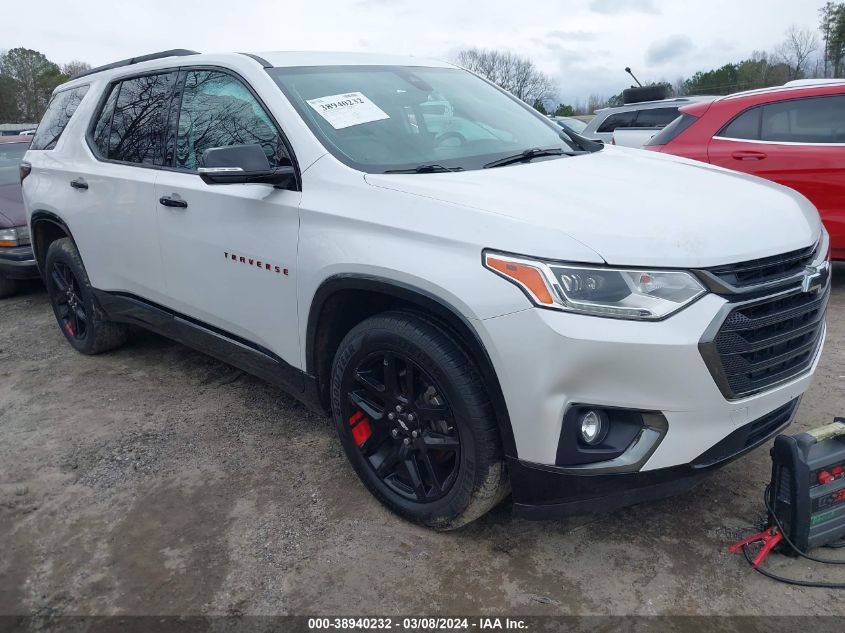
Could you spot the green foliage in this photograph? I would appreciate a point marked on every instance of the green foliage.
(9, 111)
(564, 110)
(538, 105)
(757, 72)
(832, 26)
(28, 79)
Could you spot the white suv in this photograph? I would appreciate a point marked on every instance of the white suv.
(475, 319)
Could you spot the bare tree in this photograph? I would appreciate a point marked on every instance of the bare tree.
(796, 50)
(518, 75)
(75, 67)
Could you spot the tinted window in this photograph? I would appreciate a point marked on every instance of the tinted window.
(816, 120)
(673, 130)
(139, 123)
(61, 108)
(102, 125)
(218, 111)
(623, 119)
(11, 155)
(656, 117)
(745, 126)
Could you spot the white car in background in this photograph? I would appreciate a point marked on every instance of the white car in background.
(648, 114)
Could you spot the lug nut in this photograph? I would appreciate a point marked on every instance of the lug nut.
(391, 416)
(395, 433)
(398, 408)
(407, 441)
(410, 417)
(414, 433)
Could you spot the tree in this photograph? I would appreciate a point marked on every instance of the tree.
(517, 75)
(35, 77)
(796, 50)
(832, 26)
(9, 112)
(564, 110)
(75, 67)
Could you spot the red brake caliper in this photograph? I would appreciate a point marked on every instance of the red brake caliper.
(361, 430)
(69, 328)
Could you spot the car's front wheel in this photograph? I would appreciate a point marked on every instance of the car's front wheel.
(79, 315)
(416, 422)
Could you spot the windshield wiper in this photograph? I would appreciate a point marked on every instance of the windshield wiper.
(427, 168)
(530, 154)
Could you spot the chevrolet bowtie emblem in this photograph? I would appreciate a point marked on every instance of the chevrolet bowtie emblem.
(813, 276)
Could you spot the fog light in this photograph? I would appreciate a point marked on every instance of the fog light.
(593, 427)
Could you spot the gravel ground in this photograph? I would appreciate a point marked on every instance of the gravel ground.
(155, 480)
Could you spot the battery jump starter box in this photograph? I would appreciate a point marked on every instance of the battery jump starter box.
(807, 491)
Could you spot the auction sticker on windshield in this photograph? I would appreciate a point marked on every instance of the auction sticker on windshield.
(345, 110)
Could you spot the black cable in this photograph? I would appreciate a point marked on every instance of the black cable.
(794, 581)
(790, 581)
(826, 561)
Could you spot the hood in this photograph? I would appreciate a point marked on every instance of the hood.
(11, 206)
(633, 208)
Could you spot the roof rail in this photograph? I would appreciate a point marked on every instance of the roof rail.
(175, 52)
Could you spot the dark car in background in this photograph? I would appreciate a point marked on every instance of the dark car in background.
(16, 260)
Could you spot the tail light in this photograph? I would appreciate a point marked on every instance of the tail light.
(24, 170)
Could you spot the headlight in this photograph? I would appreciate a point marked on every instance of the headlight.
(16, 236)
(619, 293)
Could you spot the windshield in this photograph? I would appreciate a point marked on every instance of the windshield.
(385, 118)
(11, 155)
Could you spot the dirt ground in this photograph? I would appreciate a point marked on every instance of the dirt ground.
(155, 480)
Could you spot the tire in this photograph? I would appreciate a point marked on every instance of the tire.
(444, 426)
(644, 93)
(8, 287)
(78, 314)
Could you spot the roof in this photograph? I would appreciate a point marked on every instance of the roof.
(812, 82)
(182, 57)
(321, 58)
(801, 84)
(675, 101)
(5, 127)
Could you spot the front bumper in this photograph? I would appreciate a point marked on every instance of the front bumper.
(544, 492)
(644, 366)
(18, 263)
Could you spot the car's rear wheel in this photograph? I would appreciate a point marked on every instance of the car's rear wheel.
(79, 315)
(8, 287)
(415, 421)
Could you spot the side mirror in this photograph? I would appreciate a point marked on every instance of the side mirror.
(241, 164)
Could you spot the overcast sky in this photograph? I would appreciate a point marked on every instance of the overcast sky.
(584, 44)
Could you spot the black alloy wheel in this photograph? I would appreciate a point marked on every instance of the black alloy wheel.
(403, 426)
(77, 311)
(70, 308)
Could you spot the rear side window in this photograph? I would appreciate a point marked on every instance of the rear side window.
(61, 108)
(673, 130)
(655, 117)
(132, 125)
(217, 111)
(615, 121)
(814, 120)
(746, 126)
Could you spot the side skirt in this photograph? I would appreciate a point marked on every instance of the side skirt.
(205, 338)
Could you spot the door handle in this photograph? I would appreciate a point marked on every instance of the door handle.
(169, 201)
(79, 183)
(748, 155)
